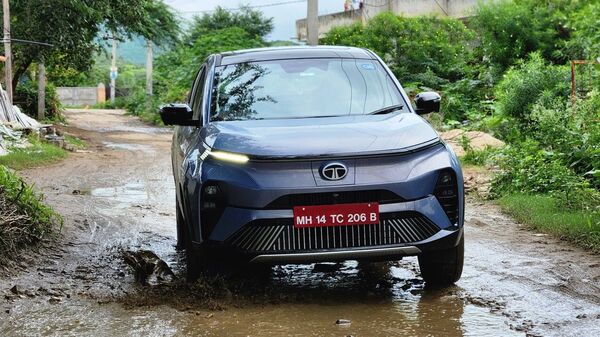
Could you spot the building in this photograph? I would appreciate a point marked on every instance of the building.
(370, 8)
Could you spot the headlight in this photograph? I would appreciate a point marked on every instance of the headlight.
(228, 156)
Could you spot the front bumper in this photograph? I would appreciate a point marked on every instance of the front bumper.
(255, 220)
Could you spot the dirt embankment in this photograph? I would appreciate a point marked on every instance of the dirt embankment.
(119, 198)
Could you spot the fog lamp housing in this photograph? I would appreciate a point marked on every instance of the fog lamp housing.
(446, 192)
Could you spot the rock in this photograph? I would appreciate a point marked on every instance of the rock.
(54, 300)
(148, 268)
(477, 140)
(342, 321)
(16, 289)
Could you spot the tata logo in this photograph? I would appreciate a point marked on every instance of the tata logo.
(334, 171)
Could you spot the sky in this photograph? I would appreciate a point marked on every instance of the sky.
(284, 16)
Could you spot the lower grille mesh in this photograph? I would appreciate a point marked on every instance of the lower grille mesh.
(279, 235)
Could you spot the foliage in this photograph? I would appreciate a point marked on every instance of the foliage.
(479, 157)
(578, 21)
(511, 29)
(74, 142)
(73, 26)
(175, 71)
(136, 103)
(38, 154)
(425, 53)
(25, 218)
(26, 97)
(252, 21)
(529, 83)
(545, 213)
(429, 51)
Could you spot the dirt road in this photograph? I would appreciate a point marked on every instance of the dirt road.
(119, 197)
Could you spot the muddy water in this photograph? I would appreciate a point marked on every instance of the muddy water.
(120, 197)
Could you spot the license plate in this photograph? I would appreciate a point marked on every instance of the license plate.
(336, 215)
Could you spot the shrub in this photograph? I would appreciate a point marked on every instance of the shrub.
(25, 218)
(26, 97)
(528, 168)
(425, 53)
(511, 29)
(528, 83)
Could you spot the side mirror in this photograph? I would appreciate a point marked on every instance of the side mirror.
(427, 102)
(177, 114)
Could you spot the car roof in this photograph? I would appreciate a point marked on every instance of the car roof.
(296, 52)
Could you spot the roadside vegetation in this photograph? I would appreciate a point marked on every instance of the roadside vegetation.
(24, 218)
(507, 72)
(38, 154)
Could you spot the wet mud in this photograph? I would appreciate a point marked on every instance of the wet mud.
(115, 270)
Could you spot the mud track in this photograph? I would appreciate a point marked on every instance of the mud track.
(119, 197)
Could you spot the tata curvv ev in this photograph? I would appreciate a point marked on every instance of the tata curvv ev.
(307, 154)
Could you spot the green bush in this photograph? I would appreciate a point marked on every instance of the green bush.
(25, 218)
(26, 97)
(425, 53)
(176, 70)
(529, 83)
(426, 50)
(528, 168)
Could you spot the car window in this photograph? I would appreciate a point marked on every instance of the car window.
(301, 88)
(198, 95)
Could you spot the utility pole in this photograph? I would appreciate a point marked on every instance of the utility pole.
(41, 91)
(149, 74)
(8, 77)
(113, 70)
(312, 23)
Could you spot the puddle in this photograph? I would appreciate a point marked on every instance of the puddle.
(135, 129)
(128, 147)
(128, 193)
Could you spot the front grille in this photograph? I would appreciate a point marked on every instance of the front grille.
(332, 198)
(279, 235)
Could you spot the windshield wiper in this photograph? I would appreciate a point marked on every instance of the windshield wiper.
(386, 110)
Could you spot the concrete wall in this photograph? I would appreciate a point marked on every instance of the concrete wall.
(81, 96)
(452, 8)
(326, 22)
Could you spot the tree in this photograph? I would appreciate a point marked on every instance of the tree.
(428, 50)
(252, 21)
(73, 27)
(214, 32)
(176, 70)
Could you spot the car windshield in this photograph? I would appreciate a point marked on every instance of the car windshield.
(301, 89)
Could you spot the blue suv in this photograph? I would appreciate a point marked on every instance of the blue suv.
(307, 154)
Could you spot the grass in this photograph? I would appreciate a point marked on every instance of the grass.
(477, 157)
(543, 214)
(75, 142)
(38, 154)
(25, 220)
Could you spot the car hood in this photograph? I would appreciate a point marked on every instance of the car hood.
(321, 137)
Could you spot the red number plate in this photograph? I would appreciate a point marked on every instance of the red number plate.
(336, 215)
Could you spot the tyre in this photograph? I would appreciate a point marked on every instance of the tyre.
(194, 261)
(443, 267)
(182, 230)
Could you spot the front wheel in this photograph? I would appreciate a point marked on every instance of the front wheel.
(443, 267)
